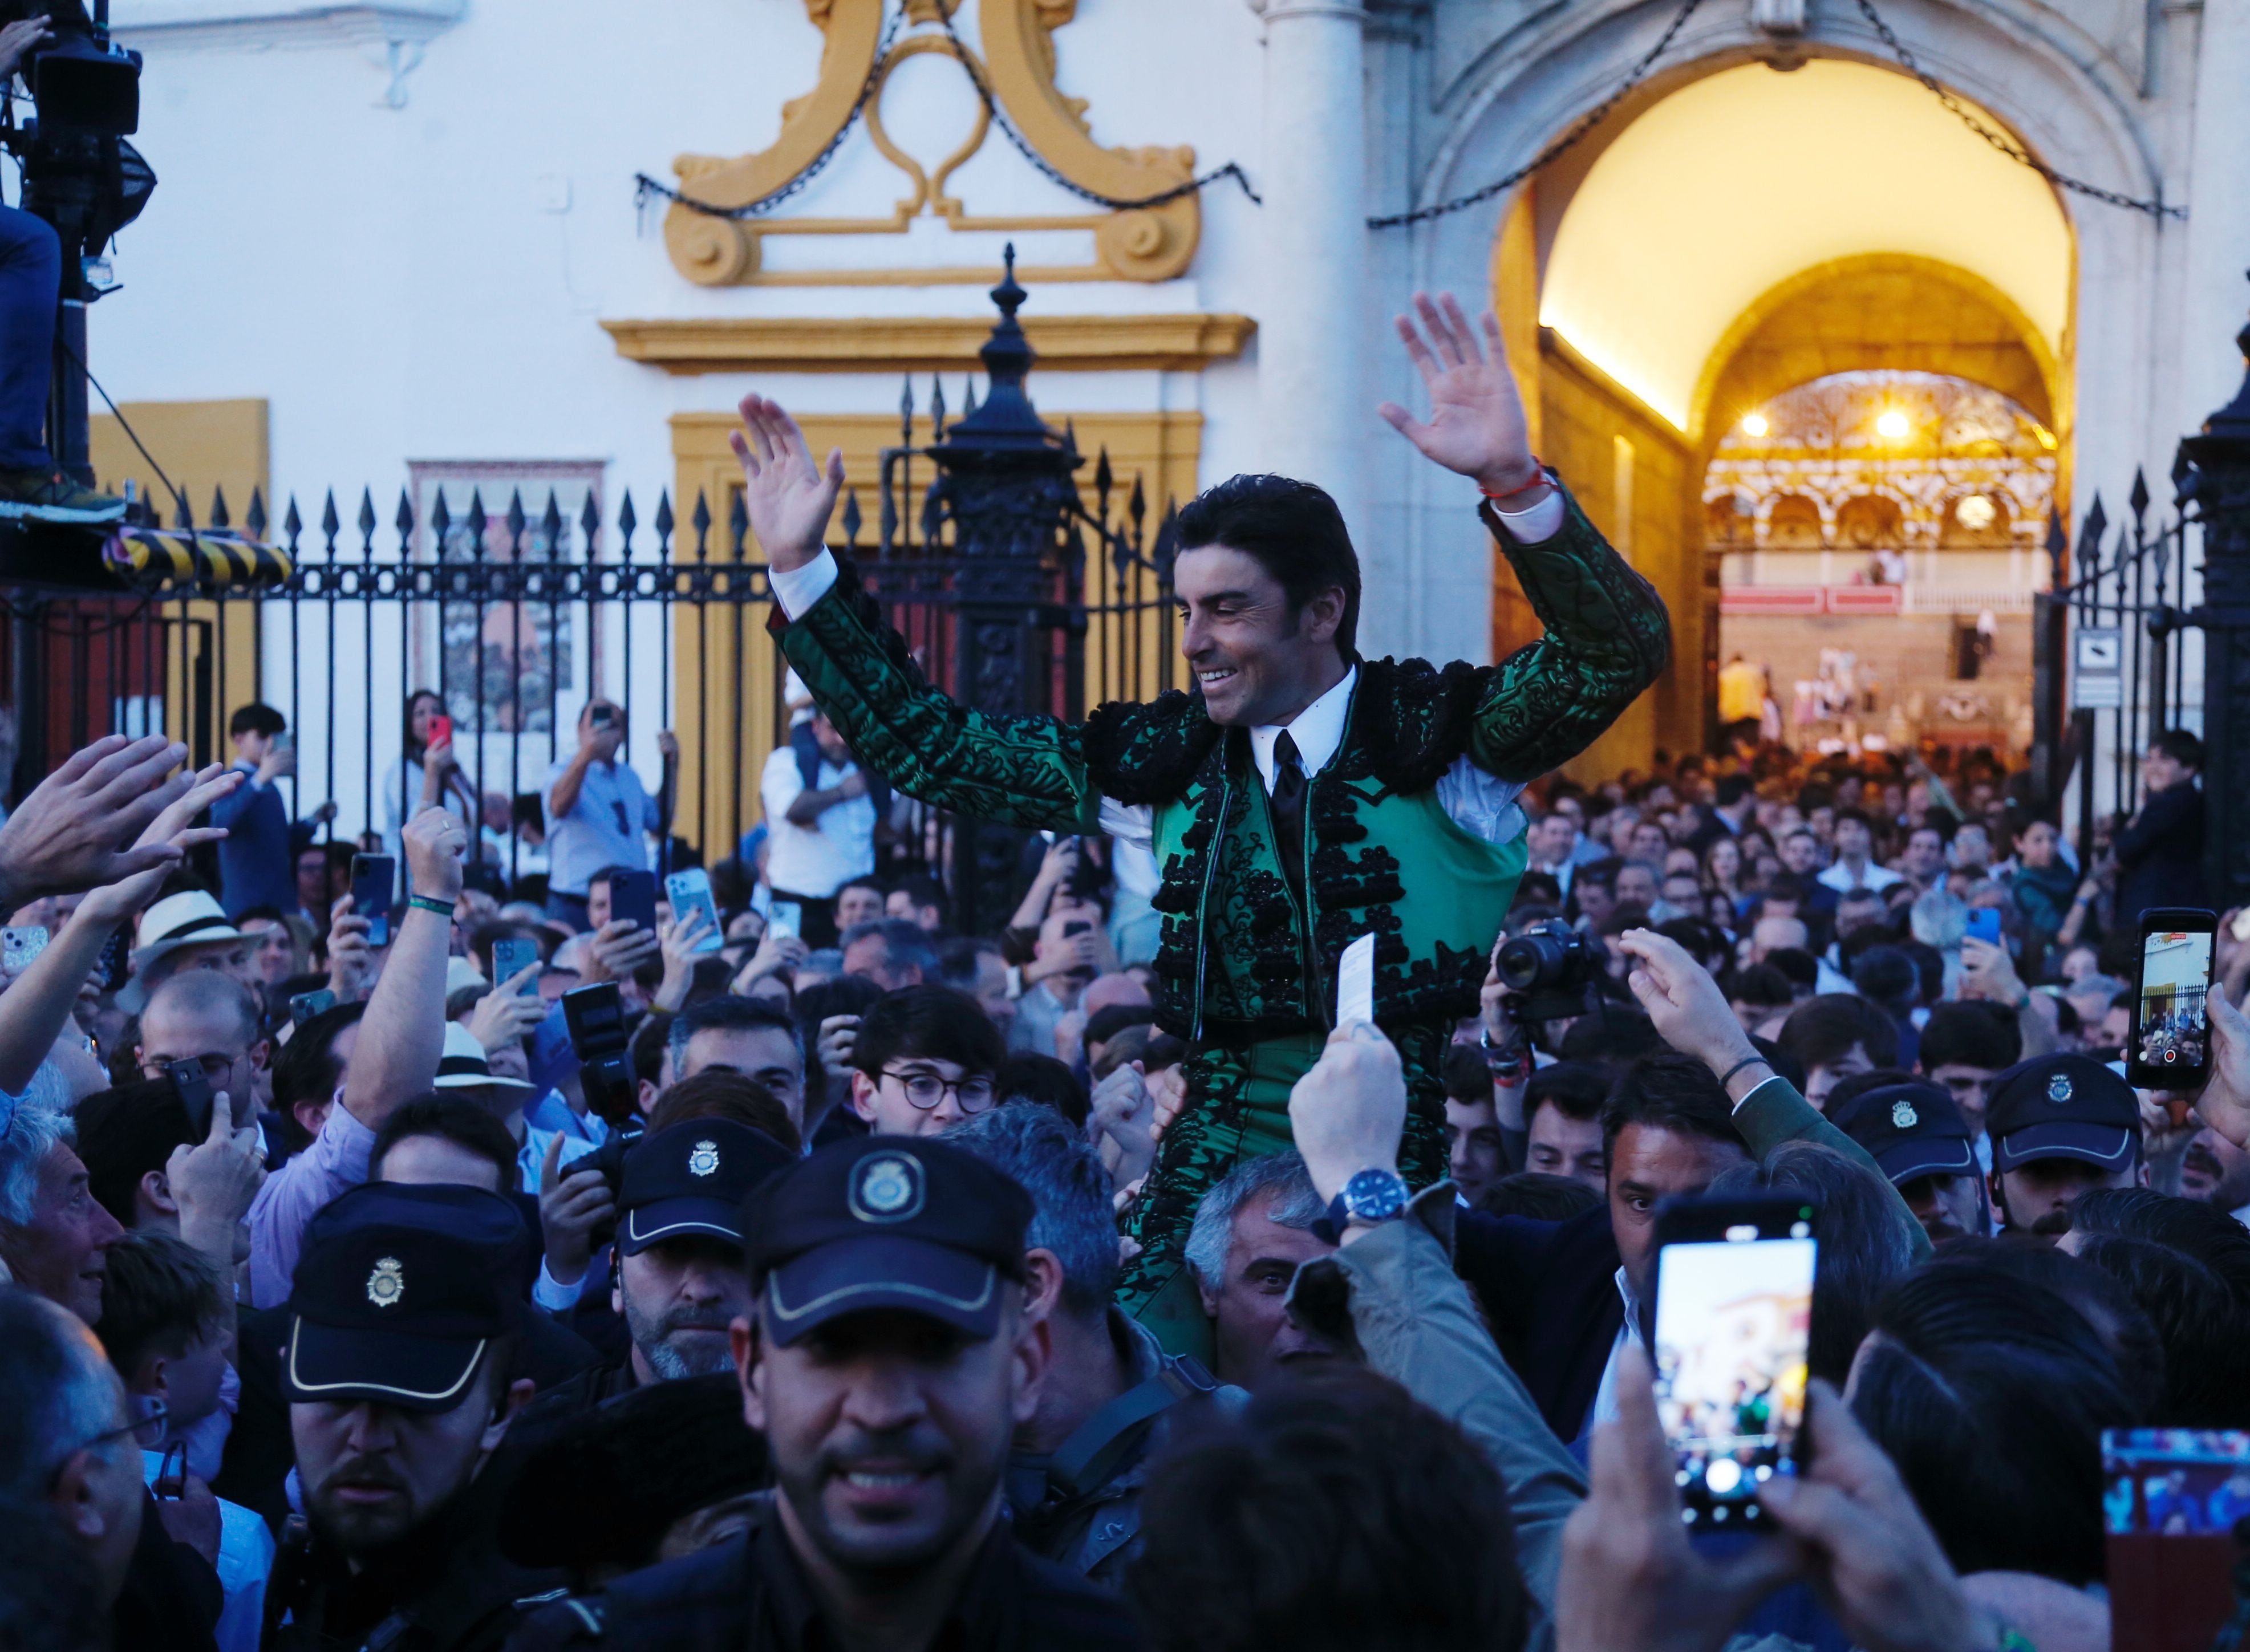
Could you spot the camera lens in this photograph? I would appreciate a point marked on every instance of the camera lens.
(1529, 961)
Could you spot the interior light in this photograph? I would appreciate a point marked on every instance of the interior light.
(1755, 425)
(1892, 425)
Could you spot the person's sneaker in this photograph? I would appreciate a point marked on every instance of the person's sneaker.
(49, 496)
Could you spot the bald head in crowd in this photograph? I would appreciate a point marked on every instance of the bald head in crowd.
(210, 1019)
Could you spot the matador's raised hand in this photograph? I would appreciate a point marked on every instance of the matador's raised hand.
(1476, 425)
(786, 496)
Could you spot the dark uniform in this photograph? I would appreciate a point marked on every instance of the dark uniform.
(1080, 1507)
(889, 1223)
(401, 1295)
(688, 1181)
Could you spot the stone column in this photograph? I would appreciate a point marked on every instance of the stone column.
(2219, 227)
(1317, 420)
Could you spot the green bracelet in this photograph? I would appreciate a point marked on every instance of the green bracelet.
(443, 908)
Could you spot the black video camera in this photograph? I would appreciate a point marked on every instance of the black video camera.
(82, 81)
(1554, 969)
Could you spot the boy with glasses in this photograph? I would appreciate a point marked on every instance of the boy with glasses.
(926, 1057)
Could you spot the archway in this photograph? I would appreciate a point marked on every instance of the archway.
(1756, 240)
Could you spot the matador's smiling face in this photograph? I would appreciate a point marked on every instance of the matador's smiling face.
(1257, 657)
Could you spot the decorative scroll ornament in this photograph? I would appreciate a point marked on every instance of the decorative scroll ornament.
(1018, 65)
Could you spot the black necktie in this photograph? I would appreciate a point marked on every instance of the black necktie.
(1289, 811)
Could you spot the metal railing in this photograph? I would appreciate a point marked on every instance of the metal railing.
(514, 613)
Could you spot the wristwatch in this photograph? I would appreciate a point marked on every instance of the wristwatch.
(1371, 1196)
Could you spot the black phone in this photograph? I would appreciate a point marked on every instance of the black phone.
(193, 1087)
(111, 966)
(634, 895)
(1733, 1331)
(375, 882)
(2170, 1045)
(305, 1006)
(602, 716)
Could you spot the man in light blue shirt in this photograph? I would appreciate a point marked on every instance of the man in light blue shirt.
(597, 810)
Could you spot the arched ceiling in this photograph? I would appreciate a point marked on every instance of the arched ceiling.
(1882, 310)
(1737, 181)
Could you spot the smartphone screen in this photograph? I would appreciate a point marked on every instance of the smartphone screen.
(1734, 1318)
(690, 891)
(375, 878)
(441, 730)
(634, 895)
(1984, 925)
(2171, 1027)
(785, 918)
(511, 953)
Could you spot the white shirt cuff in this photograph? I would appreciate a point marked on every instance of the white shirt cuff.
(797, 588)
(1531, 525)
(554, 1295)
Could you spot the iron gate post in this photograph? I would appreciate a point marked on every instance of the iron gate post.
(2217, 480)
(1005, 483)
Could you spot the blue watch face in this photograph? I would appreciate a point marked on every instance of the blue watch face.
(1375, 1195)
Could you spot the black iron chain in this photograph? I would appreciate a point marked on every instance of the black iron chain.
(645, 186)
(1555, 150)
(1039, 164)
(2156, 209)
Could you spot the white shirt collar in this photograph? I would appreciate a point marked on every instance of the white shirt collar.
(1317, 731)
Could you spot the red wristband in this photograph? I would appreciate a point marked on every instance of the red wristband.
(1539, 479)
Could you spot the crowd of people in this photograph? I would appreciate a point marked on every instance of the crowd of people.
(407, 1330)
(495, 1271)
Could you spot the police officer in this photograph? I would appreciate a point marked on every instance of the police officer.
(1080, 1463)
(398, 1368)
(888, 1361)
(2061, 1126)
(681, 1280)
(1918, 1137)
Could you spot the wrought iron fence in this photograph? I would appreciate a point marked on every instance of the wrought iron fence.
(513, 615)
(2117, 651)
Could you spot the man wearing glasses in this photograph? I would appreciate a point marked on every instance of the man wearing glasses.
(927, 1057)
(212, 1020)
(70, 1438)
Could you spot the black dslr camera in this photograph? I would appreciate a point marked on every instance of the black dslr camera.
(595, 1019)
(1554, 969)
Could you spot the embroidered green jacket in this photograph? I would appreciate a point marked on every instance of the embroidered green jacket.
(1239, 961)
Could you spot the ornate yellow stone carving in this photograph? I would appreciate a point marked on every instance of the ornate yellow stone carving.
(1144, 244)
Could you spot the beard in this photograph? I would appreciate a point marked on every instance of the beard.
(672, 1355)
(361, 1533)
(2053, 1225)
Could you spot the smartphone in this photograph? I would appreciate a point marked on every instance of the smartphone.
(634, 895)
(19, 947)
(374, 879)
(110, 966)
(441, 730)
(510, 954)
(2170, 1046)
(1985, 924)
(1734, 1324)
(785, 918)
(192, 1086)
(2173, 1496)
(690, 891)
(602, 716)
(305, 1006)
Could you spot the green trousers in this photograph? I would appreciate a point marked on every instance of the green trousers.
(1237, 1109)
